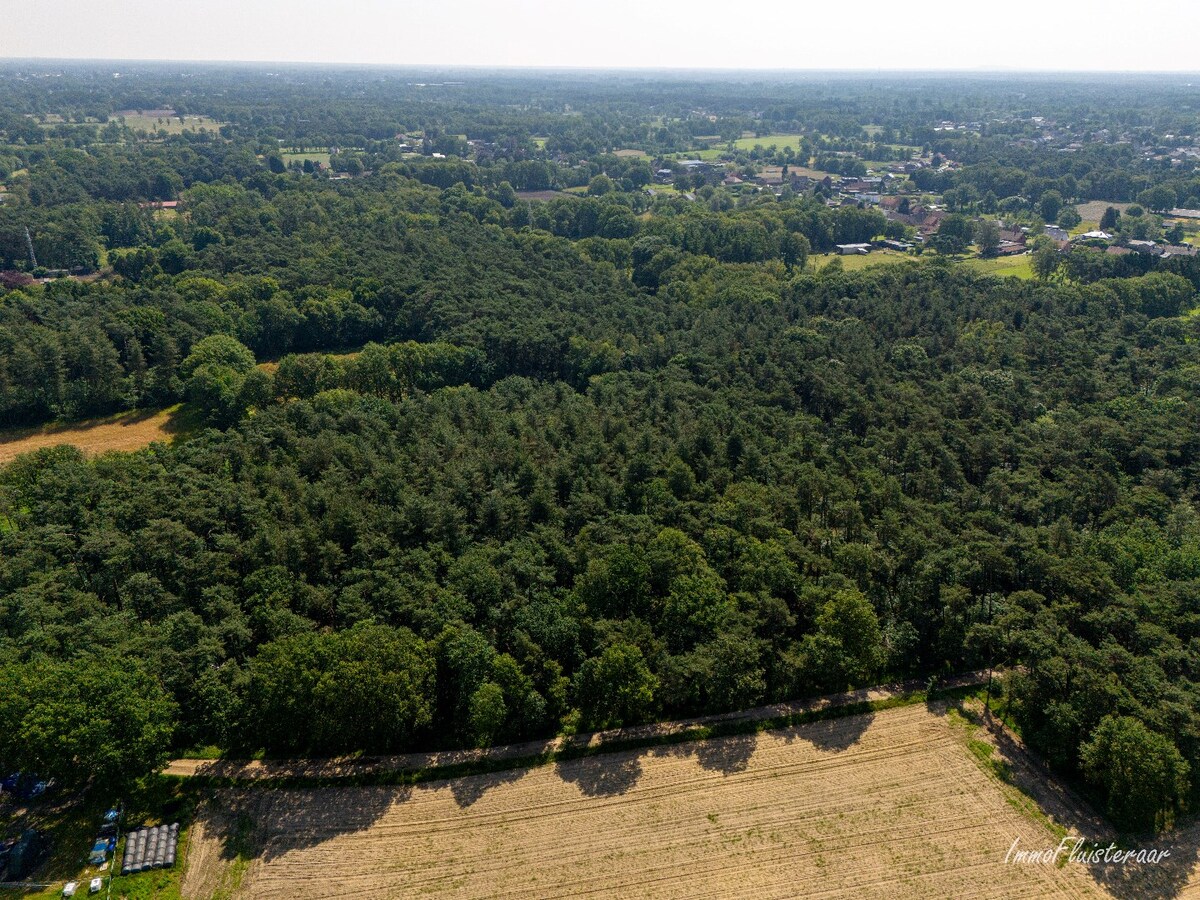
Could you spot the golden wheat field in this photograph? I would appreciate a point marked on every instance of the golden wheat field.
(126, 431)
(887, 805)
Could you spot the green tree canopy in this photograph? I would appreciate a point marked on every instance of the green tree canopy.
(368, 688)
(615, 688)
(1142, 773)
(92, 720)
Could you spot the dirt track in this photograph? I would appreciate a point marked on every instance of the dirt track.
(251, 770)
(888, 805)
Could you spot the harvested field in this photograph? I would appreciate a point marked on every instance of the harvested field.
(316, 156)
(769, 140)
(544, 195)
(891, 805)
(127, 431)
(152, 124)
(857, 262)
(1020, 266)
(1094, 209)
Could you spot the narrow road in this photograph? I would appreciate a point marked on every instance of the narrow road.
(350, 767)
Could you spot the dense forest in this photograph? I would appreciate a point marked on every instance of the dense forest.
(474, 469)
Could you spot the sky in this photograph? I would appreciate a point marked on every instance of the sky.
(1027, 35)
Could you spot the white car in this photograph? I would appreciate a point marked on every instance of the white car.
(94, 885)
(70, 888)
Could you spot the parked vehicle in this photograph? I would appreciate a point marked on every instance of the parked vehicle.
(100, 851)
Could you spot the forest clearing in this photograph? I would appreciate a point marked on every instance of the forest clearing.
(890, 804)
(124, 431)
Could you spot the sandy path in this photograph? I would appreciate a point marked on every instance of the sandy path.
(359, 766)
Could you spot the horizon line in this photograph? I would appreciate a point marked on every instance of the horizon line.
(616, 69)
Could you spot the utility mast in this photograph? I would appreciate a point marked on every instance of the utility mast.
(29, 244)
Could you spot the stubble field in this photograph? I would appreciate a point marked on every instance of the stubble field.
(126, 431)
(891, 805)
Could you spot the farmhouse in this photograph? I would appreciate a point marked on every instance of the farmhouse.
(1055, 233)
(1180, 250)
(1185, 213)
(711, 172)
(929, 222)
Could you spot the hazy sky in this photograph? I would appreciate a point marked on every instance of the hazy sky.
(1155, 35)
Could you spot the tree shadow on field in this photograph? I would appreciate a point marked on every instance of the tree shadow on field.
(469, 789)
(602, 775)
(269, 823)
(1021, 768)
(835, 735)
(937, 704)
(1166, 879)
(1129, 881)
(727, 755)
